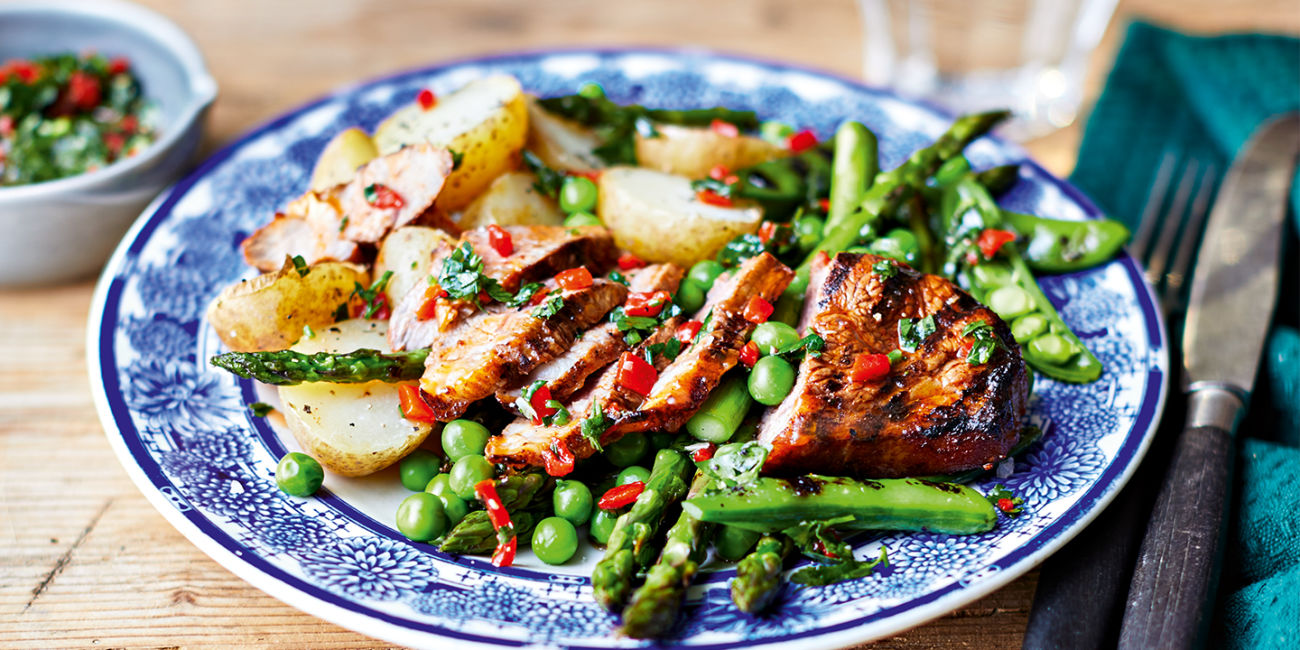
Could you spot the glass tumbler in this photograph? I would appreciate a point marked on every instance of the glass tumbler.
(971, 55)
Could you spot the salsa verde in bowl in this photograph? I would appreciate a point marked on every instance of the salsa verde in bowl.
(84, 181)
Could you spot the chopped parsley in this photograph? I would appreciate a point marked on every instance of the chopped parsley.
(549, 180)
(895, 356)
(594, 426)
(912, 332)
(300, 265)
(985, 341)
(373, 296)
(525, 294)
(308, 332)
(618, 277)
(811, 345)
(260, 409)
(457, 157)
(549, 307)
(462, 278)
(561, 415)
(833, 558)
(669, 349)
(885, 268)
(636, 328)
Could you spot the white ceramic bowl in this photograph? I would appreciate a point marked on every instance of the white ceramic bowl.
(65, 229)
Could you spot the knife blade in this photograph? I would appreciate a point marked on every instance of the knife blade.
(1234, 291)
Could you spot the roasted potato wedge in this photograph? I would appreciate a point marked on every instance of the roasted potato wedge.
(268, 312)
(511, 200)
(339, 161)
(486, 122)
(693, 151)
(656, 216)
(561, 143)
(352, 429)
(408, 253)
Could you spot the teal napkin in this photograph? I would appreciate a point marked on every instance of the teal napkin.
(1204, 96)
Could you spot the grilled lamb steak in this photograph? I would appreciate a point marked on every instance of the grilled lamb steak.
(598, 347)
(934, 413)
(539, 253)
(681, 388)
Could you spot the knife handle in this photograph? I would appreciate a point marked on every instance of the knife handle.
(1169, 597)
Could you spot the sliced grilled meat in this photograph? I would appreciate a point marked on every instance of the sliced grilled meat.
(330, 224)
(934, 413)
(683, 382)
(599, 346)
(487, 350)
(539, 253)
(683, 386)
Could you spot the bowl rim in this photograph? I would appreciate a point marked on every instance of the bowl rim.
(202, 87)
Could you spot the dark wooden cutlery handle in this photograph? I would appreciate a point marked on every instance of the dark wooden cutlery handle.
(1169, 599)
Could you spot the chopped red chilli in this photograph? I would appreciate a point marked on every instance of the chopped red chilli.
(500, 240)
(628, 261)
(621, 495)
(383, 197)
(412, 404)
(574, 279)
(749, 354)
(426, 99)
(635, 374)
(719, 172)
(726, 129)
(801, 141)
(758, 310)
(766, 231)
(507, 543)
(686, 331)
(646, 303)
(869, 367)
(713, 198)
(991, 240)
(704, 453)
(538, 401)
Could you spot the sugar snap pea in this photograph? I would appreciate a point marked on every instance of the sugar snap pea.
(1058, 246)
(773, 504)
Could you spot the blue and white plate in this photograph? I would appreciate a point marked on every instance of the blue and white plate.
(183, 432)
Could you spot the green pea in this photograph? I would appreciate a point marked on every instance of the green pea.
(1052, 348)
(602, 524)
(591, 90)
(454, 507)
(899, 244)
(299, 475)
(555, 540)
(772, 336)
(626, 450)
(582, 219)
(1028, 326)
(418, 468)
(733, 543)
(420, 517)
(632, 475)
(771, 380)
(467, 472)
(440, 485)
(578, 194)
(1010, 301)
(952, 171)
(690, 297)
(572, 500)
(808, 232)
(660, 440)
(461, 438)
(704, 273)
(989, 276)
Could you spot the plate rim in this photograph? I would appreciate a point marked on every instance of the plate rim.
(374, 624)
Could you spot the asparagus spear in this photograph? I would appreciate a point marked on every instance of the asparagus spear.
(998, 179)
(475, 533)
(654, 606)
(629, 545)
(286, 367)
(759, 574)
(884, 197)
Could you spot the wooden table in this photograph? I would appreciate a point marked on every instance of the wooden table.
(85, 560)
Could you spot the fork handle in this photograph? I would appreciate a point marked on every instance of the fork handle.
(1173, 582)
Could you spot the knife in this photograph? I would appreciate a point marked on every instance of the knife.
(1234, 291)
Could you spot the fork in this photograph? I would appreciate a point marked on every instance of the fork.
(1079, 602)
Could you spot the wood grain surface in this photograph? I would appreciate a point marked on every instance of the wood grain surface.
(85, 561)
